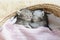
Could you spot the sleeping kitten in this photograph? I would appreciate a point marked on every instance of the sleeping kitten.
(37, 19)
(40, 18)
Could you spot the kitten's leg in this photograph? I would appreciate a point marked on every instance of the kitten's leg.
(26, 24)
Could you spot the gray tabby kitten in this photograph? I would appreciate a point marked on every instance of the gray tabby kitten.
(24, 17)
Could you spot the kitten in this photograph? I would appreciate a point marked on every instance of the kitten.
(40, 18)
(24, 17)
(37, 19)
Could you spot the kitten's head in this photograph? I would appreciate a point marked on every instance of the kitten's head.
(25, 14)
(38, 15)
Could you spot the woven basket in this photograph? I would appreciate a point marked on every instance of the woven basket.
(50, 8)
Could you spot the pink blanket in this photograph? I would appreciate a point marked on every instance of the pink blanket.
(11, 31)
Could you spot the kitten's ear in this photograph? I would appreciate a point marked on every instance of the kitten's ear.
(18, 12)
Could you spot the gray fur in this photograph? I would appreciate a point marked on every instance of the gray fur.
(25, 16)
